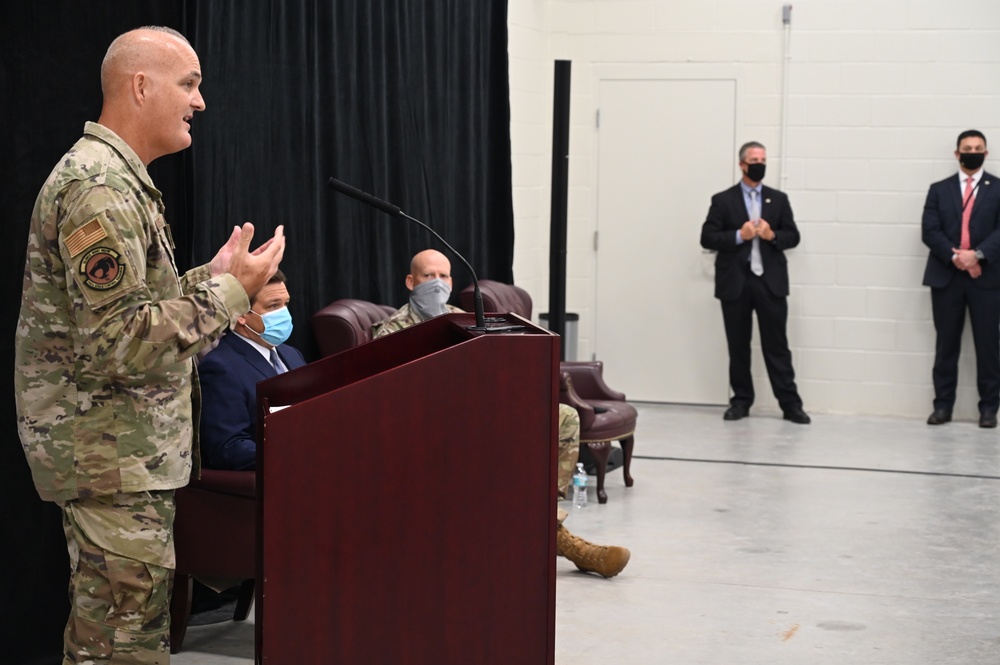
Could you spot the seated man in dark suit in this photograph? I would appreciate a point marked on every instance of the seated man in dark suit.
(429, 283)
(251, 351)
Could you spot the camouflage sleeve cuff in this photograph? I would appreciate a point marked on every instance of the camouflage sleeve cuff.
(228, 290)
(195, 276)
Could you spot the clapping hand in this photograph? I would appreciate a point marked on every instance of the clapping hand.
(252, 269)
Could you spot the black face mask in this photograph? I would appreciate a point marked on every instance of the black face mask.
(755, 172)
(971, 160)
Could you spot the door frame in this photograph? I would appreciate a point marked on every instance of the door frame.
(603, 72)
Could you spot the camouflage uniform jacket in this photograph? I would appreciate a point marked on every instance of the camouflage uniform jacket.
(106, 390)
(404, 317)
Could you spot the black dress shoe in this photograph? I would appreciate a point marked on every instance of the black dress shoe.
(939, 417)
(798, 416)
(988, 420)
(736, 412)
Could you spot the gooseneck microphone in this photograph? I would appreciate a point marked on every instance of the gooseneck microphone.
(378, 203)
(393, 210)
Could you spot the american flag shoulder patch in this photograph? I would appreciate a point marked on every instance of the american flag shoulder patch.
(85, 236)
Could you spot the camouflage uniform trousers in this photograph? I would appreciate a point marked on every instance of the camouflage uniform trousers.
(569, 448)
(121, 552)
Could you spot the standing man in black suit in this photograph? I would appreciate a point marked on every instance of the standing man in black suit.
(751, 226)
(961, 226)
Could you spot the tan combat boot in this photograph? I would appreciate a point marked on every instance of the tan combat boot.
(605, 561)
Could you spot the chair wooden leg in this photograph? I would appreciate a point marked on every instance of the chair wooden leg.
(180, 610)
(244, 601)
(627, 443)
(601, 450)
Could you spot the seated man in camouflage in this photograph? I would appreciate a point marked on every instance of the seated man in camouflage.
(429, 283)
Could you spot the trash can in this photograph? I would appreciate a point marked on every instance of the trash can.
(569, 338)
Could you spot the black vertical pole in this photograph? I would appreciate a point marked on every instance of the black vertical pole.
(560, 186)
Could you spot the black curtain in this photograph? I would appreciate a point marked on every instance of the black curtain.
(406, 99)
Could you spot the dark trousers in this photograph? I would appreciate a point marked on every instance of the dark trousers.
(949, 305)
(772, 319)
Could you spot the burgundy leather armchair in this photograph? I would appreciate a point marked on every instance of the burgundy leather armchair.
(346, 323)
(605, 416)
(497, 297)
(214, 536)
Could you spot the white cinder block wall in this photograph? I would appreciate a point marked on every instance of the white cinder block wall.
(878, 91)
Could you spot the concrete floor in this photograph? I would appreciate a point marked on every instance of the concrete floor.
(854, 540)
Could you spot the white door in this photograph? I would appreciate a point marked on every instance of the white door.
(665, 146)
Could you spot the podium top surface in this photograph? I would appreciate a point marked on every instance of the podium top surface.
(430, 337)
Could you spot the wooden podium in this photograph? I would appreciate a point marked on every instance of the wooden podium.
(406, 495)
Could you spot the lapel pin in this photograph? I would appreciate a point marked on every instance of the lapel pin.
(769, 200)
(987, 182)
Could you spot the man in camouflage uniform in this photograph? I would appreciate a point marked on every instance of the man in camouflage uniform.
(106, 389)
(430, 284)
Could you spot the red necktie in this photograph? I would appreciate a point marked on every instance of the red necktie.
(966, 214)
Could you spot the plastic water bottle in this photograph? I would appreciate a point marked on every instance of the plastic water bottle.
(579, 486)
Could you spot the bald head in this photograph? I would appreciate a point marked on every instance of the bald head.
(427, 265)
(150, 78)
(137, 50)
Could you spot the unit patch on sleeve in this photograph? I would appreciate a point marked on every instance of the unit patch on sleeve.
(102, 268)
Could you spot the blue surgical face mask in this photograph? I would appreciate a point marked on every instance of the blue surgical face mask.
(277, 326)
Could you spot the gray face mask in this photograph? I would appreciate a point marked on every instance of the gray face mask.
(430, 298)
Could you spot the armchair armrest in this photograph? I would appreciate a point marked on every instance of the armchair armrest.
(236, 483)
(588, 380)
(569, 396)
